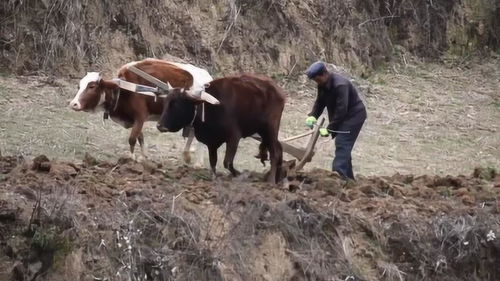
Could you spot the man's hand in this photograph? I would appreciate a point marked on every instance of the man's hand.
(323, 132)
(310, 121)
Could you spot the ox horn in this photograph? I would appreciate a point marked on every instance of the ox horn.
(202, 96)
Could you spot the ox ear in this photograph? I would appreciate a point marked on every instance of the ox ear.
(95, 76)
(99, 79)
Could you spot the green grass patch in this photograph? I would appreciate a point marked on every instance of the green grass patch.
(51, 240)
(487, 173)
(3, 91)
(496, 104)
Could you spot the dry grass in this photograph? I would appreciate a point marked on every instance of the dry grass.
(152, 245)
(60, 34)
(234, 12)
(446, 247)
(391, 272)
(162, 246)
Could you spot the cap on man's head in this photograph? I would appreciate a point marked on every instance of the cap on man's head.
(315, 69)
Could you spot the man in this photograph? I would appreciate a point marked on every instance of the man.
(346, 114)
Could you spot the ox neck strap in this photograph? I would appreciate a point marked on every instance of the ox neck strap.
(113, 103)
(203, 112)
(194, 116)
(200, 107)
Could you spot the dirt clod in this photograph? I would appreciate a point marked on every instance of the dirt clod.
(89, 160)
(461, 192)
(496, 181)
(8, 163)
(468, 199)
(485, 173)
(8, 215)
(41, 163)
(62, 170)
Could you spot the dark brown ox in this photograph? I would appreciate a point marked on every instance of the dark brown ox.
(249, 104)
(127, 108)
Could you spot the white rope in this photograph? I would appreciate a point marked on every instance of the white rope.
(203, 112)
(194, 116)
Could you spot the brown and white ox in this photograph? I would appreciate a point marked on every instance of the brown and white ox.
(132, 110)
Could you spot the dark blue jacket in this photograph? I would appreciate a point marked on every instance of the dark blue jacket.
(345, 108)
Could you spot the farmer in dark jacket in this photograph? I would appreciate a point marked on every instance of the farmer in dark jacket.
(346, 114)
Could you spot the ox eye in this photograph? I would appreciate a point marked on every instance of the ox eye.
(91, 86)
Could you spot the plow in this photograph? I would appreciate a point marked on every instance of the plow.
(303, 155)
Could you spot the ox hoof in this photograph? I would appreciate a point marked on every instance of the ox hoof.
(141, 159)
(131, 156)
(213, 175)
(199, 165)
(235, 173)
(244, 176)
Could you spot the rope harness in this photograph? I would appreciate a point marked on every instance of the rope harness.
(113, 100)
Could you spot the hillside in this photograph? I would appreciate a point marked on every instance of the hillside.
(269, 36)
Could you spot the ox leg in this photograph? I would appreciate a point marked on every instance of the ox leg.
(278, 162)
(140, 138)
(276, 155)
(134, 135)
(186, 154)
(199, 154)
(212, 154)
(231, 147)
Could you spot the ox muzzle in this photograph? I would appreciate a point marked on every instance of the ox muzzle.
(75, 105)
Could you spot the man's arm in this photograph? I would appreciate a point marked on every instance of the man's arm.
(342, 93)
(319, 106)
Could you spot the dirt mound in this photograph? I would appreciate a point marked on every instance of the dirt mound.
(131, 221)
(280, 37)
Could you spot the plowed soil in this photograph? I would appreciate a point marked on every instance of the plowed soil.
(113, 221)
